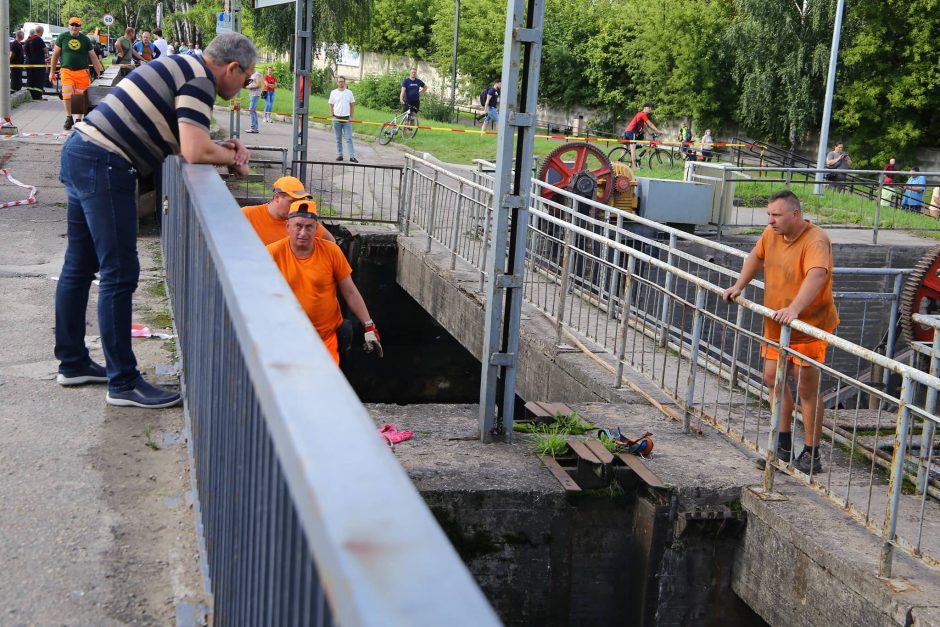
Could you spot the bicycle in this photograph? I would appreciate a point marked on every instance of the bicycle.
(652, 154)
(405, 123)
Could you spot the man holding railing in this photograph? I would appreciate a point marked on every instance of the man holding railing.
(314, 268)
(160, 109)
(796, 256)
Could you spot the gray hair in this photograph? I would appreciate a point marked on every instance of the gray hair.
(229, 47)
(32, 32)
(40, 29)
(19, 33)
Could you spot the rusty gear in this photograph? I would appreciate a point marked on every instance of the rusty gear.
(921, 294)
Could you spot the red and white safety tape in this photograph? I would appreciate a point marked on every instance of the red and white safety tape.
(15, 203)
(35, 135)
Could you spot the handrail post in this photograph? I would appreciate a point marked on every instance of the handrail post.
(615, 263)
(787, 177)
(896, 479)
(667, 290)
(780, 381)
(456, 232)
(433, 216)
(625, 314)
(409, 207)
(721, 201)
(735, 346)
(563, 286)
(874, 230)
(484, 250)
(698, 320)
(930, 406)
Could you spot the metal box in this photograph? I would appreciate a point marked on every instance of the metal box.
(674, 202)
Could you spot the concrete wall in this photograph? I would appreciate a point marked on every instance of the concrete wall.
(543, 372)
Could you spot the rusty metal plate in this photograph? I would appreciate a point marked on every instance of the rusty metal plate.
(563, 477)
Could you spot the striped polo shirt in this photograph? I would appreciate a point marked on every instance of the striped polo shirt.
(139, 120)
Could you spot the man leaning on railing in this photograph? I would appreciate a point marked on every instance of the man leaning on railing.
(796, 256)
(160, 109)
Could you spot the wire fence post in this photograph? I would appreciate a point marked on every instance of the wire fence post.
(433, 214)
(667, 290)
(563, 286)
(735, 347)
(456, 231)
(896, 481)
(780, 382)
(410, 184)
(625, 313)
(698, 319)
(485, 248)
(615, 279)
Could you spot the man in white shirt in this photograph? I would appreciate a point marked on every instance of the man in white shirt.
(342, 106)
(159, 41)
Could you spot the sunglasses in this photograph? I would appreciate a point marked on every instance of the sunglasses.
(70, 25)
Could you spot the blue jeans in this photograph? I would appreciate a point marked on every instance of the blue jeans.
(268, 102)
(102, 237)
(253, 110)
(492, 115)
(341, 128)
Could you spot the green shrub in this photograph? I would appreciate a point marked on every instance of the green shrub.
(435, 108)
(322, 81)
(380, 91)
(283, 74)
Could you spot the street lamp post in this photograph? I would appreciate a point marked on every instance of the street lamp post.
(827, 105)
(453, 64)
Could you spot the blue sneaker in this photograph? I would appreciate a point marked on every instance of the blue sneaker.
(144, 395)
(91, 373)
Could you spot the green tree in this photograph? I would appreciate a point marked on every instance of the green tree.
(889, 83)
(333, 21)
(568, 29)
(401, 27)
(780, 65)
(480, 46)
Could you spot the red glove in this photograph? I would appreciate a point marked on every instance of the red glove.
(373, 342)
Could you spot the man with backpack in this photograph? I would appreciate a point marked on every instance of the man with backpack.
(489, 98)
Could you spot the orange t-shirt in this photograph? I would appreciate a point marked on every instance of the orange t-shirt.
(313, 281)
(268, 228)
(786, 264)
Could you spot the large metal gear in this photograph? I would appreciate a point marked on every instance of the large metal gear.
(580, 168)
(921, 294)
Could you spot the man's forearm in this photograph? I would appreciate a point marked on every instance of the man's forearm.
(749, 270)
(354, 300)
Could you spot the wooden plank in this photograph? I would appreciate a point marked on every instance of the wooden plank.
(601, 453)
(563, 477)
(583, 452)
(556, 408)
(633, 463)
(536, 410)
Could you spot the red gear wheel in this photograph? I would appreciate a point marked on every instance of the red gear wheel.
(571, 163)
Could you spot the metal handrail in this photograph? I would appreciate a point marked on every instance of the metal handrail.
(289, 517)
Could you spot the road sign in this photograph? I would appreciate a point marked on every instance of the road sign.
(270, 3)
(107, 19)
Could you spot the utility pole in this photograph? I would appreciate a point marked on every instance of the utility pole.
(827, 105)
(453, 64)
(6, 126)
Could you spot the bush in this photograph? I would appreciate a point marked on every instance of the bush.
(283, 74)
(321, 81)
(380, 91)
(436, 108)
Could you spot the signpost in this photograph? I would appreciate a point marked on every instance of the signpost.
(107, 19)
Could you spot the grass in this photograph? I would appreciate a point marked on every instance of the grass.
(148, 438)
(445, 145)
(552, 442)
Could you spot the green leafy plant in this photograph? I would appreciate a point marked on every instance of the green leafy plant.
(573, 423)
(609, 444)
(551, 442)
(149, 442)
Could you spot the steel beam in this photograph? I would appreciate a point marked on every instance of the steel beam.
(303, 60)
(504, 264)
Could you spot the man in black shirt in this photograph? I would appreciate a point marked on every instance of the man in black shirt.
(36, 54)
(17, 56)
(411, 90)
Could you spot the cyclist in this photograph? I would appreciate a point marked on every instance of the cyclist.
(411, 90)
(634, 130)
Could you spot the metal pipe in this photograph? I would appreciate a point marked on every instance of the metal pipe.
(625, 315)
(930, 406)
(780, 382)
(830, 88)
(896, 479)
(563, 287)
(667, 289)
(456, 232)
(433, 213)
(697, 322)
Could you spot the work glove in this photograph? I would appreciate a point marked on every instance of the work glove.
(372, 339)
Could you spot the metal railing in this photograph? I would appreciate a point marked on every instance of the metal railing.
(307, 516)
(632, 301)
(869, 202)
(268, 164)
(353, 191)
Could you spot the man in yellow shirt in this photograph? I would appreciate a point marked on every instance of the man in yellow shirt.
(270, 219)
(314, 268)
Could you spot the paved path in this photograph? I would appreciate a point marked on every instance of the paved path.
(96, 524)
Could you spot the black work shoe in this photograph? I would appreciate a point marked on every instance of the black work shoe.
(783, 454)
(807, 463)
(353, 160)
(92, 373)
(69, 123)
(339, 158)
(144, 395)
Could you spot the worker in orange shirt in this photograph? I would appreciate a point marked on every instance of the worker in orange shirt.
(796, 256)
(314, 268)
(270, 219)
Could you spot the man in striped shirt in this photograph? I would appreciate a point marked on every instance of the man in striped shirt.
(160, 109)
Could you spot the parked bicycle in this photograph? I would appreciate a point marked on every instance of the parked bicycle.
(405, 123)
(651, 154)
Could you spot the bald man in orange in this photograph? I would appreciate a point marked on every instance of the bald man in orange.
(314, 268)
